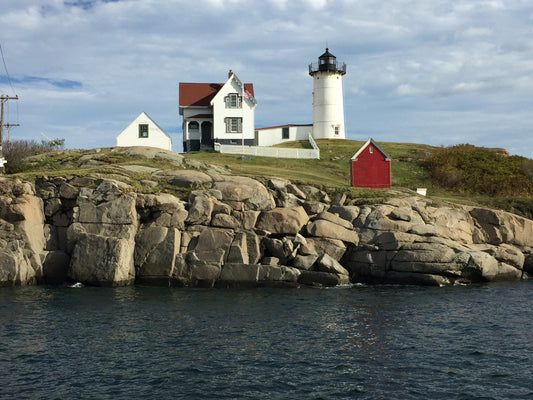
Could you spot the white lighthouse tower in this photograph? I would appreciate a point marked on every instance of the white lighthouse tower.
(328, 103)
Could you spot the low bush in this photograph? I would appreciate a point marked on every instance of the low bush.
(469, 169)
(16, 151)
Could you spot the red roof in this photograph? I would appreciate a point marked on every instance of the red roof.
(201, 116)
(201, 94)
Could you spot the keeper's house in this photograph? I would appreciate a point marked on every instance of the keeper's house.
(370, 167)
(217, 113)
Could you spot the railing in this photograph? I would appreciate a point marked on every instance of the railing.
(274, 152)
(335, 67)
(313, 143)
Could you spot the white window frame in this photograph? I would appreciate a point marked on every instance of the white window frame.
(233, 100)
(233, 124)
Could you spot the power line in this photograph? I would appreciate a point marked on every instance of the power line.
(5, 67)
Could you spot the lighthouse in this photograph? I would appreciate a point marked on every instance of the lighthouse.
(328, 102)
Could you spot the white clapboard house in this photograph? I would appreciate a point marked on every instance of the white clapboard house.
(143, 131)
(221, 113)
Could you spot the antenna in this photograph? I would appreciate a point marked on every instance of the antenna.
(52, 142)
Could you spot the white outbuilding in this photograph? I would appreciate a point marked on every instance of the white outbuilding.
(143, 131)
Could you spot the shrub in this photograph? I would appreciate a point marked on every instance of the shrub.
(16, 151)
(471, 169)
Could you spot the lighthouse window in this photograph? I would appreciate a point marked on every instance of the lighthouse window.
(337, 130)
(233, 125)
(233, 100)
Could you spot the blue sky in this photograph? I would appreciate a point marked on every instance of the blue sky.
(439, 72)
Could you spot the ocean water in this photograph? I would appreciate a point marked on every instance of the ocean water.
(360, 342)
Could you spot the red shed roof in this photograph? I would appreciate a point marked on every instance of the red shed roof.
(201, 94)
(369, 142)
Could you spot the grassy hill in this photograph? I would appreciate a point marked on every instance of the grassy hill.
(462, 174)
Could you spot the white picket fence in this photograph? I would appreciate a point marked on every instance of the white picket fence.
(274, 152)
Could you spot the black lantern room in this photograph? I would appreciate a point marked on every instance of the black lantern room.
(327, 62)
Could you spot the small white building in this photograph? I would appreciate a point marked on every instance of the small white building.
(143, 131)
(283, 133)
(221, 113)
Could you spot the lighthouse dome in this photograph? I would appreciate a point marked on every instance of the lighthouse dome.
(327, 62)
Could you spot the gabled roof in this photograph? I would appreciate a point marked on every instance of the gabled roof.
(201, 94)
(363, 147)
(146, 117)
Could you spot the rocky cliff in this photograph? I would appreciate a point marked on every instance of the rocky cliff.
(237, 231)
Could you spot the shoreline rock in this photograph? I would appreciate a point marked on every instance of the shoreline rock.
(238, 232)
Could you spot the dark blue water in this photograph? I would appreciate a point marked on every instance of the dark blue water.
(382, 342)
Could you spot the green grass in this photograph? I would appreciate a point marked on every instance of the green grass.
(413, 166)
(333, 168)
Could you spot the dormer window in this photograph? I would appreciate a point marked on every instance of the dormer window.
(233, 100)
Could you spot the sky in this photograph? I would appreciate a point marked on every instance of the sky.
(438, 72)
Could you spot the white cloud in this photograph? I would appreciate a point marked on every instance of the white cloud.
(411, 63)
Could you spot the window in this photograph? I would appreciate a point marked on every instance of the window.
(233, 125)
(233, 100)
(336, 130)
(371, 150)
(285, 133)
(143, 130)
(193, 126)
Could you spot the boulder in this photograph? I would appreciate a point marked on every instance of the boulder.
(286, 221)
(251, 193)
(185, 178)
(225, 221)
(102, 261)
(238, 251)
(314, 207)
(200, 209)
(333, 247)
(326, 229)
(409, 278)
(191, 271)
(277, 248)
(502, 227)
(305, 262)
(326, 263)
(238, 275)
(274, 275)
(317, 278)
(28, 221)
(349, 213)
(155, 251)
(15, 266)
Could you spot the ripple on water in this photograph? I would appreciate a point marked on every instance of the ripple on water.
(360, 342)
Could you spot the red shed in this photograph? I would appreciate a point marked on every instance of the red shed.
(371, 167)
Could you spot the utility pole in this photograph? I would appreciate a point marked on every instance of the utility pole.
(3, 99)
(9, 126)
